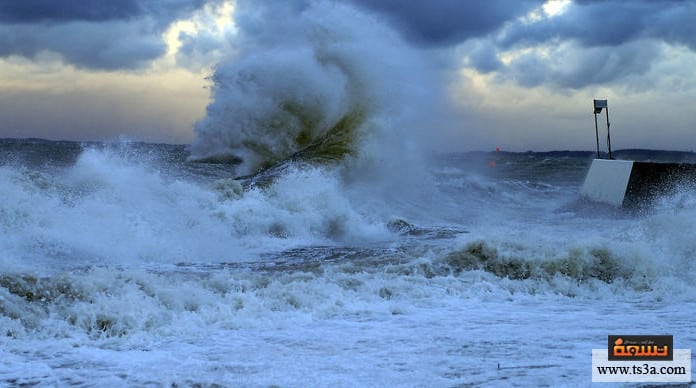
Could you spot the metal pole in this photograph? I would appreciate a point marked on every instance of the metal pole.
(596, 134)
(608, 135)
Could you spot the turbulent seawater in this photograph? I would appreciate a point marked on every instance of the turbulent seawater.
(127, 264)
(309, 237)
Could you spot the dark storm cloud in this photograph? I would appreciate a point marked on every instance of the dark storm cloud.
(449, 22)
(28, 11)
(31, 11)
(605, 41)
(608, 41)
(612, 23)
(112, 45)
(575, 68)
(96, 34)
(483, 56)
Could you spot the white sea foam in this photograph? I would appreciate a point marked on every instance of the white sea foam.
(122, 269)
(110, 210)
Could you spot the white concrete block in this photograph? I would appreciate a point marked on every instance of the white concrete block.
(607, 181)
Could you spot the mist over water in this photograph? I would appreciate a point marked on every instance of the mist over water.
(309, 237)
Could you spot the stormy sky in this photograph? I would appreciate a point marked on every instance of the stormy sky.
(520, 74)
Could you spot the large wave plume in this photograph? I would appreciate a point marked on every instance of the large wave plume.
(317, 82)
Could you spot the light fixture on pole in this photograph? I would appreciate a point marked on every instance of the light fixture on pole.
(598, 106)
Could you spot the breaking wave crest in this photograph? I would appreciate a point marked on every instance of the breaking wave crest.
(328, 83)
(99, 302)
(111, 210)
(578, 264)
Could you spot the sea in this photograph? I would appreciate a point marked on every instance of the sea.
(129, 264)
(325, 228)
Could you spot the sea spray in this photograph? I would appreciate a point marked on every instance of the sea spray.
(344, 263)
(111, 209)
(131, 266)
(321, 82)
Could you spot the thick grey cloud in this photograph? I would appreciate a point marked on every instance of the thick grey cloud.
(449, 22)
(598, 42)
(574, 67)
(483, 55)
(126, 34)
(590, 22)
(31, 11)
(611, 23)
(109, 45)
(97, 34)
(603, 40)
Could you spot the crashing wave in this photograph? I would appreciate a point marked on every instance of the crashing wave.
(328, 83)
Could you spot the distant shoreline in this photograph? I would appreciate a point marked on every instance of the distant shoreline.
(627, 153)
